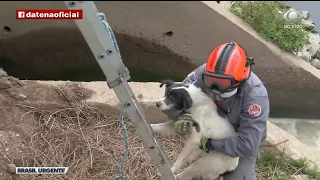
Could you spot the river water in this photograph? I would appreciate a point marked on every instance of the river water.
(306, 130)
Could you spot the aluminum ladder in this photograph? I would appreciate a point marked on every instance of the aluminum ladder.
(117, 76)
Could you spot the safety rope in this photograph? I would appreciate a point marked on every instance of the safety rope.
(108, 29)
(126, 144)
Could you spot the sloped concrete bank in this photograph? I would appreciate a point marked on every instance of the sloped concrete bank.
(147, 93)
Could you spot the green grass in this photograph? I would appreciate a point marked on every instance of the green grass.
(264, 17)
(272, 167)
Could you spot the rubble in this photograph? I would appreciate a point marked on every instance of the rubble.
(11, 85)
(301, 177)
(5, 83)
(315, 63)
(310, 52)
(3, 73)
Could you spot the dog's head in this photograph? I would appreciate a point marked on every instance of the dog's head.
(176, 97)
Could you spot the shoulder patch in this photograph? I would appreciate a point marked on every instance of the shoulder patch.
(191, 78)
(254, 110)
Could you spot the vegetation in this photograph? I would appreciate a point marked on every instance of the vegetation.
(266, 18)
(272, 167)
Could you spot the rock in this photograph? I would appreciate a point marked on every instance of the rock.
(312, 48)
(21, 83)
(317, 54)
(5, 83)
(314, 37)
(11, 168)
(315, 63)
(15, 81)
(305, 55)
(15, 94)
(308, 23)
(300, 177)
(20, 96)
(3, 73)
(305, 15)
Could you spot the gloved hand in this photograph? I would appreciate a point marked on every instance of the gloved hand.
(205, 144)
(184, 123)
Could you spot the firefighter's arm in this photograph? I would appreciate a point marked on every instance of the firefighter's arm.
(195, 76)
(253, 122)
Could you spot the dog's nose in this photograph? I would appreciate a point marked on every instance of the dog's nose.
(158, 104)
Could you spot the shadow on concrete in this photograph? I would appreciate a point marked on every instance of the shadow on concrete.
(69, 58)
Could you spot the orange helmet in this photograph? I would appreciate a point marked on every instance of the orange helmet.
(227, 67)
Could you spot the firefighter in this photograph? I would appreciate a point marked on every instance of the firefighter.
(240, 94)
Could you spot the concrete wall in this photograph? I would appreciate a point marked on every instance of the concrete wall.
(196, 28)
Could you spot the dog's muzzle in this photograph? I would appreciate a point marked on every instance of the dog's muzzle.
(158, 104)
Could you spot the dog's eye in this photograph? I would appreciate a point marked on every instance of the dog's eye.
(171, 98)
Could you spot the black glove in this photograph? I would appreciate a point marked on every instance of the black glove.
(206, 145)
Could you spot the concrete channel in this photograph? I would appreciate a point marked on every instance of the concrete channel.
(158, 40)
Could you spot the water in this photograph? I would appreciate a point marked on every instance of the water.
(306, 131)
(311, 6)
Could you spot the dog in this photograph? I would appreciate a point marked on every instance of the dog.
(191, 99)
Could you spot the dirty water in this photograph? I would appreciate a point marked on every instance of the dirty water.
(306, 130)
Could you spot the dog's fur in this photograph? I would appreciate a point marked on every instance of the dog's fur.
(189, 98)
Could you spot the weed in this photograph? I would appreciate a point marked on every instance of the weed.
(279, 167)
(265, 17)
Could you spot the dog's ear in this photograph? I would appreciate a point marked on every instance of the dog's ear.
(187, 101)
(167, 82)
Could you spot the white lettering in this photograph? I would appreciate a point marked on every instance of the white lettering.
(53, 15)
(293, 26)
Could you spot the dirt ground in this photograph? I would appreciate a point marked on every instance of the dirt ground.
(45, 126)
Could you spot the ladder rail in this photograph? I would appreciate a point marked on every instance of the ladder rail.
(117, 76)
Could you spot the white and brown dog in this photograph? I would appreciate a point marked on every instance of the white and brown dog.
(190, 99)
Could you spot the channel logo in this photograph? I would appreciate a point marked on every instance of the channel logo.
(48, 14)
(292, 15)
(20, 14)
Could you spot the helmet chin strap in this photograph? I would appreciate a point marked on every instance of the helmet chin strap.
(229, 94)
(220, 96)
